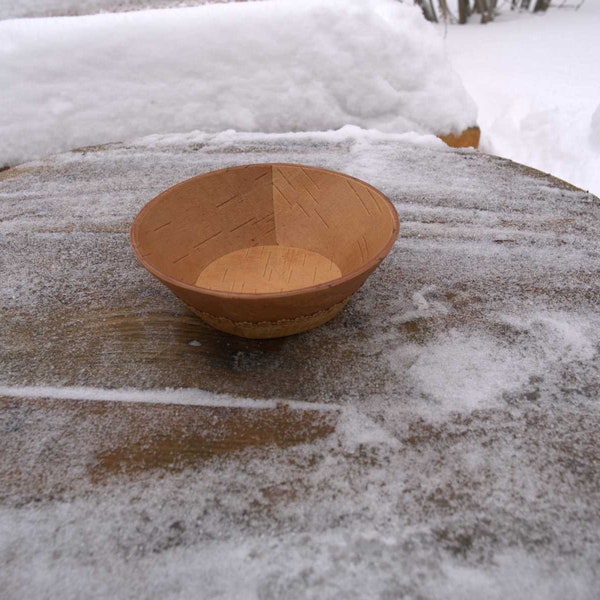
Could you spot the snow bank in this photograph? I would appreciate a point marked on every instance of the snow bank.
(536, 82)
(13, 9)
(257, 66)
(595, 129)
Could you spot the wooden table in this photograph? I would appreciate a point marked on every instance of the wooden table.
(440, 438)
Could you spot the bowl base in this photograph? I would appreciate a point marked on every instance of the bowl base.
(267, 269)
(270, 329)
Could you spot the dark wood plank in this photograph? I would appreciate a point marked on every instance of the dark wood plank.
(57, 446)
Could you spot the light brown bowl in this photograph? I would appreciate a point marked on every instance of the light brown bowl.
(265, 250)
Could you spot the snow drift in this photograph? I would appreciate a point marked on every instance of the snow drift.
(536, 82)
(270, 66)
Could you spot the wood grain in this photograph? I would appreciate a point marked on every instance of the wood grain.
(263, 269)
(94, 440)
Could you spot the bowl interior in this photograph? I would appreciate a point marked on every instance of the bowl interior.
(264, 229)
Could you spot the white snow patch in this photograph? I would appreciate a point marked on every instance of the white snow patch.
(560, 337)
(193, 397)
(269, 66)
(517, 575)
(463, 372)
(347, 133)
(424, 305)
(12, 9)
(536, 82)
(595, 129)
(355, 429)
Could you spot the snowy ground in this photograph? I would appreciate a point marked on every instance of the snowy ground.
(536, 82)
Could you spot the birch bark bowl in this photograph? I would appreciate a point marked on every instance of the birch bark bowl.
(265, 250)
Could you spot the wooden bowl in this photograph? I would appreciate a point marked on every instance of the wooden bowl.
(265, 250)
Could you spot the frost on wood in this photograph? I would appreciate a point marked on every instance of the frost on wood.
(256, 66)
(459, 452)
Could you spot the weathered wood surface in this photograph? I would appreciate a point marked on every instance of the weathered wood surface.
(455, 423)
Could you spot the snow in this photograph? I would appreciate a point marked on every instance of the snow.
(272, 66)
(536, 82)
(464, 370)
(534, 78)
(184, 397)
(464, 376)
(595, 132)
(462, 379)
(12, 9)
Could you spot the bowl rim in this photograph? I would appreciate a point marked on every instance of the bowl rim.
(364, 268)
